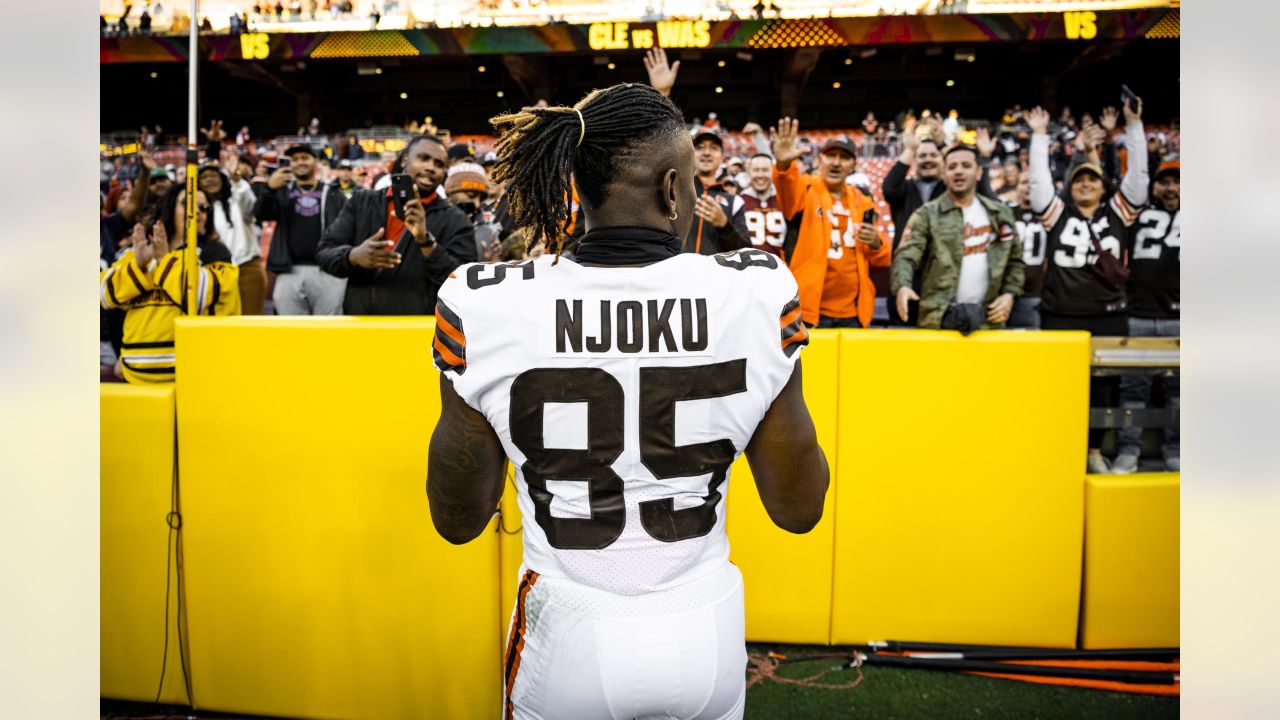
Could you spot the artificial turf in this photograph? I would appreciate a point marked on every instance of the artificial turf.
(887, 693)
(884, 694)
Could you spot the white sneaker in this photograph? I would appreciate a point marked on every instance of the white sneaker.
(1098, 465)
(1124, 464)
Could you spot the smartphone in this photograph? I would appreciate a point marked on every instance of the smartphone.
(869, 217)
(285, 161)
(1127, 97)
(402, 191)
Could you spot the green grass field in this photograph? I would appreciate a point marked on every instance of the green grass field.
(887, 693)
(883, 694)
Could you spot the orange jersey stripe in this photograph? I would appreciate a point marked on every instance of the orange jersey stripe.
(799, 335)
(451, 331)
(515, 642)
(447, 354)
(789, 318)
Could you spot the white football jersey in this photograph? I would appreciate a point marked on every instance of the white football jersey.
(621, 396)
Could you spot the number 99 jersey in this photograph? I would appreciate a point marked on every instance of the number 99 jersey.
(621, 396)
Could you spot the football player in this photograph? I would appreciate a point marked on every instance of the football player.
(621, 384)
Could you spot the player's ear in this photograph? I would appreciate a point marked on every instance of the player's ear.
(670, 181)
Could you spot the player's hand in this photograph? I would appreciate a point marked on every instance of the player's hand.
(986, 143)
(1038, 119)
(710, 211)
(1133, 114)
(786, 149)
(999, 309)
(374, 253)
(662, 77)
(867, 234)
(279, 178)
(1108, 118)
(147, 159)
(905, 295)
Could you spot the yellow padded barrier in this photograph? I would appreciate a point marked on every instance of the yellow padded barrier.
(136, 481)
(510, 553)
(1131, 557)
(787, 577)
(317, 585)
(959, 510)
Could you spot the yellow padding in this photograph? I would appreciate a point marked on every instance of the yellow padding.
(787, 577)
(510, 552)
(1131, 556)
(317, 585)
(136, 480)
(959, 507)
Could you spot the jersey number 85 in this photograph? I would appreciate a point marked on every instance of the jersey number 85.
(660, 389)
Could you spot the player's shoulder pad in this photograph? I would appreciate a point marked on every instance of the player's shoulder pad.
(765, 272)
(748, 259)
(478, 277)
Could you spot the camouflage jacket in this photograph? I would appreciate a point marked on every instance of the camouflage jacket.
(934, 238)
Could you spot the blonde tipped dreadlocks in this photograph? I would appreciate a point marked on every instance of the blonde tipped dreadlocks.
(543, 150)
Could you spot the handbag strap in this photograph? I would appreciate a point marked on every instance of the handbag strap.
(1093, 238)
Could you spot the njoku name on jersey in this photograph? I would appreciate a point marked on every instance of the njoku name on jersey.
(623, 325)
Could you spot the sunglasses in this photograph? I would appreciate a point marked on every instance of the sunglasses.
(202, 208)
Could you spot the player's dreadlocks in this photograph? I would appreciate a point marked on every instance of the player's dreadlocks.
(539, 152)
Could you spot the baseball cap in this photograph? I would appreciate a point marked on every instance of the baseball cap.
(1085, 167)
(844, 145)
(466, 176)
(344, 165)
(490, 158)
(711, 135)
(297, 149)
(738, 159)
(1168, 167)
(157, 173)
(461, 151)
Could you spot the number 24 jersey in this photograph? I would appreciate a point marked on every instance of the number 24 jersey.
(621, 396)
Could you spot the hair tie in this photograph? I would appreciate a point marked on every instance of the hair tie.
(583, 132)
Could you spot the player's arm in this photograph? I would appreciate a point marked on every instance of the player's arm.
(464, 469)
(790, 469)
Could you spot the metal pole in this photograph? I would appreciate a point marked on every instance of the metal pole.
(191, 268)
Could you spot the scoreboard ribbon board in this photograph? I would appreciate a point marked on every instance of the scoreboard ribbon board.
(1078, 26)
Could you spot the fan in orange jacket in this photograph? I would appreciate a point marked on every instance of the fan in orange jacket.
(833, 251)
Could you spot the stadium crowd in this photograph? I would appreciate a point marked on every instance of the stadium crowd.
(1025, 222)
